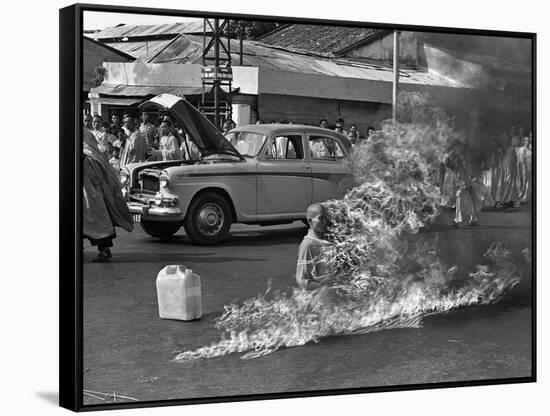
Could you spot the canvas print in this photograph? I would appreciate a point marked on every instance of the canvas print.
(299, 207)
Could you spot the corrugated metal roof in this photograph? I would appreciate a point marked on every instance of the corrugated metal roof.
(138, 49)
(88, 42)
(187, 26)
(321, 39)
(187, 49)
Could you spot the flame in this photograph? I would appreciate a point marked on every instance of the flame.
(380, 281)
(262, 325)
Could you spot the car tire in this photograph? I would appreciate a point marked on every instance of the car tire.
(208, 219)
(162, 230)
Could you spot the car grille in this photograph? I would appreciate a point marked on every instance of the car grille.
(150, 183)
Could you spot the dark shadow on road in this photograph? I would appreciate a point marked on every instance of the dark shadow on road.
(51, 397)
(268, 237)
(437, 228)
(245, 238)
(172, 258)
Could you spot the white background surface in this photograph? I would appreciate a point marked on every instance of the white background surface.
(29, 208)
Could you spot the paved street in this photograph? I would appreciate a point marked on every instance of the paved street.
(128, 349)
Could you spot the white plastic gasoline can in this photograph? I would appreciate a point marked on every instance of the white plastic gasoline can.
(179, 293)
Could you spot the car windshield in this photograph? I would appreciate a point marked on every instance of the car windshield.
(247, 143)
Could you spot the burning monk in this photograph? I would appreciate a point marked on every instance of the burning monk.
(311, 273)
(103, 204)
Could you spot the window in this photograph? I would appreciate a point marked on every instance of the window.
(325, 148)
(246, 143)
(285, 148)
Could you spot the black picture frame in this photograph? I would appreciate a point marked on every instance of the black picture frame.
(70, 215)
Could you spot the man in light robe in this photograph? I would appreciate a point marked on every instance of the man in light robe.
(509, 192)
(447, 187)
(149, 131)
(496, 175)
(471, 192)
(134, 147)
(168, 145)
(104, 207)
(524, 171)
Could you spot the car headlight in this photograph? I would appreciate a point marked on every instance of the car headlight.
(124, 177)
(164, 181)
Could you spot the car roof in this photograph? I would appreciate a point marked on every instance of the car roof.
(282, 128)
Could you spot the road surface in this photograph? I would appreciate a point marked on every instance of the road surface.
(128, 349)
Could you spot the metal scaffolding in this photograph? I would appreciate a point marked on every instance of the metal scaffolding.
(217, 74)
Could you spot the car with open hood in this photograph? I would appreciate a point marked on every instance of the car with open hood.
(257, 174)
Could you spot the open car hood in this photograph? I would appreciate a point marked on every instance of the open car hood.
(205, 135)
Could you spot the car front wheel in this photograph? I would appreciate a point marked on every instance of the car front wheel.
(208, 219)
(162, 230)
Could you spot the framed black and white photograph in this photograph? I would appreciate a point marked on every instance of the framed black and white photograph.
(260, 207)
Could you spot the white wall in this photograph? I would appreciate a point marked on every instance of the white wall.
(246, 79)
(138, 73)
(323, 86)
(242, 114)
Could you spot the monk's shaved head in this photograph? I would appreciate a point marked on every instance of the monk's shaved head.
(315, 209)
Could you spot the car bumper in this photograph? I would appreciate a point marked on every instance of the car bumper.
(148, 210)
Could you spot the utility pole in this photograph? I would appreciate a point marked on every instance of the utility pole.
(395, 90)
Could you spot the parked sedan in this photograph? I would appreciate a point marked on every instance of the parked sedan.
(258, 174)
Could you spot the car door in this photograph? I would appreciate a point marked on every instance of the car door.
(328, 170)
(284, 185)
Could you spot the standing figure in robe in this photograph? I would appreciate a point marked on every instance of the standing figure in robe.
(471, 192)
(509, 193)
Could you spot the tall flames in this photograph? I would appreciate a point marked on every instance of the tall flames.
(381, 280)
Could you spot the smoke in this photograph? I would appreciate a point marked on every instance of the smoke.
(380, 280)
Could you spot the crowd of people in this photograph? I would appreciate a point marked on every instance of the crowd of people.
(136, 140)
(352, 133)
(501, 179)
(129, 140)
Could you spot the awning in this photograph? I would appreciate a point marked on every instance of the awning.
(116, 101)
(147, 90)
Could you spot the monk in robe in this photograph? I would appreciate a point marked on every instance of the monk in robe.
(103, 205)
(509, 190)
(471, 192)
(524, 171)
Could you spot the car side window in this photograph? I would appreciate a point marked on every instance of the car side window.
(288, 147)
(338, 152)
(325, 148)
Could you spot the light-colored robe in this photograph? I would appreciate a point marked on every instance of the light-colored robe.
(524, 155)
(509, 190)
(168, 149)
(470, 195)
(134, 149)
(448, 188)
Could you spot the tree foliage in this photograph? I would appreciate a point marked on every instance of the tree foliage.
(251, 30)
